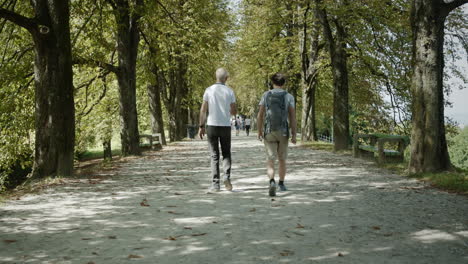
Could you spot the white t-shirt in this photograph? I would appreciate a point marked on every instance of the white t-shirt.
(219, 98)
(288, 98)
(247, 121)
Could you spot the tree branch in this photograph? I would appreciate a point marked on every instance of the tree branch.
(18, 19)
(95, 63)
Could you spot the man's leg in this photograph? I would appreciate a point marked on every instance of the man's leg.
(271, 169)
(213, 139)
(282, 169)
(225, 140)
(282, 156)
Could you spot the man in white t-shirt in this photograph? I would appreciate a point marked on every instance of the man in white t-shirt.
(220, 103)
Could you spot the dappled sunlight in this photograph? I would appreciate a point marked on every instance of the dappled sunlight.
(432, 236)
(158, 207)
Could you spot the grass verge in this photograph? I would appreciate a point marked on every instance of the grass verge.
(454, 181)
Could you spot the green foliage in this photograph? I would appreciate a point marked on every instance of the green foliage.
(17, 102)
(450, 181)
(458, 149)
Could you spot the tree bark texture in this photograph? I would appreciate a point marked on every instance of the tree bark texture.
(127, 48)
(107, 150)
(157, 123)
(53, 77)
(175, 98)
(428, 142)
(309, 49)
(55, 110)
(338, 55)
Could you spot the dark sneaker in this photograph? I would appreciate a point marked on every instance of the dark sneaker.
(272, 189)
(215, 187)
(228, 185)
(282, 188)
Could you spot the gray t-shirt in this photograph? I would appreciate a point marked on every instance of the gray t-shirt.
(288, 98)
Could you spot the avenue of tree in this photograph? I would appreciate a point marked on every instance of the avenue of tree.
(75, 73)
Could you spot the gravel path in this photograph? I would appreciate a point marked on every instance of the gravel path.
(155, 209)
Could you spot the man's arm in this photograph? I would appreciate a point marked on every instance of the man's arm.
(233, 109)
(260, 116)
(203, 110)
(293, 123)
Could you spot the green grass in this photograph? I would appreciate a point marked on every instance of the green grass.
(318, 145)
(456, 181)
(453, 181)
(97, 154)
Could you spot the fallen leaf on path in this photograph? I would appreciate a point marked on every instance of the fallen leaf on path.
(113, 193)
(95, 253)
(273, 200)
(199, 234)
(376, 228)
(187, 227)
(388, 234)
(144, 202)
(112, 237)
(134, 256)
(171, 206)
(9, 241)
(214, 222)
(286, 253)
(277, 205)
(170, 238)
(86, 238)
(340, 255)
(178, 194)
(91, 262)
(299, 226)
(252, 210)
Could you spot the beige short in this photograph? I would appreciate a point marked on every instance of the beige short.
(276, 145)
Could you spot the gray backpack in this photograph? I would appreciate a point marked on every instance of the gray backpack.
(276, 117)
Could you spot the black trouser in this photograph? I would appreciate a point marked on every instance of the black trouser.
(247, 129)
(219, 135)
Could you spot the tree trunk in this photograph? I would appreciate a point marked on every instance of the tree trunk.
(338, 55)
(157, 123)
(309, 56)
(55, 111)
(127, 49)
(428, 143)
(340, 93)
(176, 103)
(107, 150)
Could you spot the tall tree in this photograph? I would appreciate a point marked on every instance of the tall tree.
(428, 141)
(339, 56)
(55, 112)
(309, 48)
(127, 16)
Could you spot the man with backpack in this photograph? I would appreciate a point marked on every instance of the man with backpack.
(276, 107)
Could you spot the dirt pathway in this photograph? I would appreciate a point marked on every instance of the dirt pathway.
(155, 209)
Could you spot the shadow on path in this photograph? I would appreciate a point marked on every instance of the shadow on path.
(156, 209)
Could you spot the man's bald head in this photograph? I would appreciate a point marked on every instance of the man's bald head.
(221, 75)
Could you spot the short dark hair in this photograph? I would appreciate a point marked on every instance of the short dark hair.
(278, 79)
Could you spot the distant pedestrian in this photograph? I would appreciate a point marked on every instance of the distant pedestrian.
(276, 107)
(220, 103)
(247, 125)
(238, 125)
